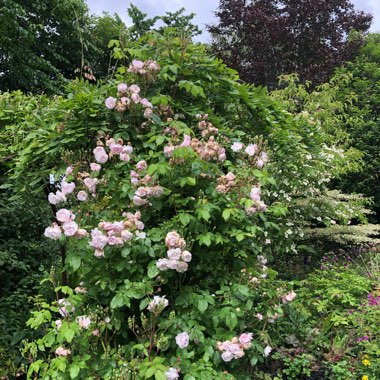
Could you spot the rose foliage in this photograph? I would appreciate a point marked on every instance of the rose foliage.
(179, 186)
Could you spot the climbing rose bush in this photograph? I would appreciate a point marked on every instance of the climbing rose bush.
(169, 216)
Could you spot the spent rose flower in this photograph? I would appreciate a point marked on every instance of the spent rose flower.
(110, 102)
(267, 350)
(83, 321)
(69, 170)
(158, 304)
(182, 339)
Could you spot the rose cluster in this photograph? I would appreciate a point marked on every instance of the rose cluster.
(178, 258)
(66, 188)
(208, 151)
(128, 96)
(234, 348)
(289, 297)
(226, 183)
(258, 204)
(68, 226)
(251, 150)
(116, 233)
(147, 68)
(206, 127)
(143, 193)
(116, 148)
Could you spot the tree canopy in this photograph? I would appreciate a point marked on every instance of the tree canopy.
(266, 38)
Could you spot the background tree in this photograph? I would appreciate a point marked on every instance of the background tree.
(41, 42)
(266, 38)
(364, 83)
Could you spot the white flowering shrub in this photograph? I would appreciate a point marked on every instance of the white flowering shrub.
(178, 186)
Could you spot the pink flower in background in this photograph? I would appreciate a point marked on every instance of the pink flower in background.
(110, 102)
(62, 351)
(186, 256)
(68, 170)
(65, 307)
(251, 149)
(134, 89)
(82, 196)
(245, 338)
(172, 374)
(141, 165)
(81, 233)
(182, 340)
(91, 183)
(67, 188)
(146, 103)
(267, 350)
(237, 147)
(58, 324)
(116, 148)
(186, 141)
(227, 356)
(158, 304)
(83, 321)
(100, 155)
(53, 199)
(289, 297)
(174, 254)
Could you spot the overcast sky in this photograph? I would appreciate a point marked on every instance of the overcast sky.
(203, 9)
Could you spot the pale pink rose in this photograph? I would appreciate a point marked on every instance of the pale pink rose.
(135, 98)
(137, 65)
(67, 188)
(63, 215)
(146, 103)
(70, 228)
(172, 374)
(260, 163)
(126, 235)
(82, 196)
(227, 356)
(54, 232)
(267, 350)
(182, 340)
(174, 254)
(62, 351)
(117, 226)
(255, 194)
(181, 267)
(259, 316)
(141, 165)
(53, 199)
(80, 289)
(83, 321)
(251, 149)
(60, 196)
(289, 297)
(237, 147)
(172, 239)
(95, 167)
(116, 148)
(222, 154)
(139, 201)
(153, 66)
(162, 264)
(122, 88)
(98, 241)
(81, 233)
(141, 192)
(139, 225)
(140, 235)
(126, 101)
(68, 170)
(134, 89)
(186, 256)
(91, 183)
(127, 149)
(124, 157)
(172, 264)
(264, 157)
(100, 155)
(110, 141)
(186, 141)
(110, 102)
(95, 332)
(112, 240)
(245, 338)
(158, 304)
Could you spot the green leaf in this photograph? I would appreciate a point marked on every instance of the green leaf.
(69, 335)
(190, 181)
(240, 236)
(202, 305)
(150, 372)
(184, 219)
(117, 301)
(74, 371)
(74, 261)
(159, 375)
(226, 214)
(231, 320)
(153, 271)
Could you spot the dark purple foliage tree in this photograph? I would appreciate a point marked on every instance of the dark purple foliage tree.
(263, 39)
